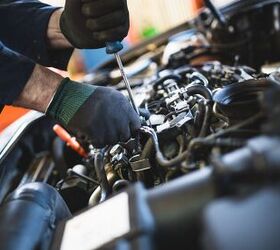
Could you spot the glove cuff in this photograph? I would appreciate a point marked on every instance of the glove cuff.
(69, 97)
(65, 31)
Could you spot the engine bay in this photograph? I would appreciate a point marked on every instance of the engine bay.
(201, 90)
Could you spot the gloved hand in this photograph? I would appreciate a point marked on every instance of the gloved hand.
(100, 115)
(91, 23)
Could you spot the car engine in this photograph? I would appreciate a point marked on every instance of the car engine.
(189, 111)
(207, 93)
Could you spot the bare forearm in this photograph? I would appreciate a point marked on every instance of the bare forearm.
(55, 37)
(39, 90)
(42, 84)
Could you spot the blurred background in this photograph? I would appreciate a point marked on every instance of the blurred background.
(148, 18)
(160, 14)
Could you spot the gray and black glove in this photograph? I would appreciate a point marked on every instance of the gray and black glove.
(92, 23)
(99, 115)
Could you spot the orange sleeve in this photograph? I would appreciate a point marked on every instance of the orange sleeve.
(9, 115)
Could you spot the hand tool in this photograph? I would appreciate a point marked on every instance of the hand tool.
(114, 48)
(70, 141)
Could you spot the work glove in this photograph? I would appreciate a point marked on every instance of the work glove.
(98, 115)
(89, 24)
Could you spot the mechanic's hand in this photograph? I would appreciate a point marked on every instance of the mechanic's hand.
(91, 23)
(100, 115)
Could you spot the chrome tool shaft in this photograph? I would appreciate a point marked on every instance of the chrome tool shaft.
(126, 82)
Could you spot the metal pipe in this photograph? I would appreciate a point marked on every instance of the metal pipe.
(100, 172)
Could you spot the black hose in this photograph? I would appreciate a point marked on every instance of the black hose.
(195, 89)
(206, 93)
(146, 153)
(206, 124)
(159, 156)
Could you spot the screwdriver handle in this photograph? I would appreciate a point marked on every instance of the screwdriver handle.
(113, 47)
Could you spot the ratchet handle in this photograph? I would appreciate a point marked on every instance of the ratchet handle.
(113, 47)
